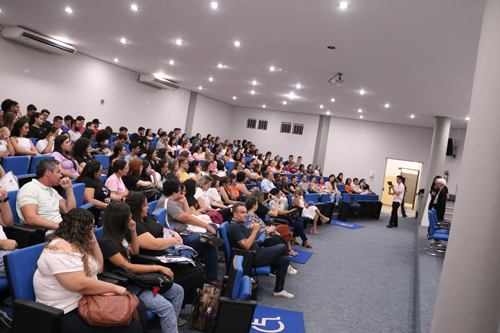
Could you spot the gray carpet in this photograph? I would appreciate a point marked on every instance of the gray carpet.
(361, 280)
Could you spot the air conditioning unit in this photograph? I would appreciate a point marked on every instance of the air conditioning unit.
(36, 40)
(158, 82)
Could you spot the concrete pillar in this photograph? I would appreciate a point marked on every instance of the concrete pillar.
(193, 97)
(469, 291)
(436, 159)
(321, 141)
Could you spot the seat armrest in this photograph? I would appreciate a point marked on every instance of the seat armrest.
(120, 280)
(87, 206)
(30, 316)
(40, 232)
(144, 259)
(280, 221)
(23, 236)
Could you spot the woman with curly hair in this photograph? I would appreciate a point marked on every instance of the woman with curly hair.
(81, 153)
(67, 270)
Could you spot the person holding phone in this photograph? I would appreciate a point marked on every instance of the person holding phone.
(398, 192)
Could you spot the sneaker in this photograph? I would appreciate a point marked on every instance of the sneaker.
(389, 226)
(283, 294)
(181, 322)
(211, 240)
(291, 271)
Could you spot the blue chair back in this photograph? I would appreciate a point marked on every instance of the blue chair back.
(112, 139)
(358, 197)
(375, 198)
(308, 178)
(201, 162)
(346, 197)
(289, 197)
(325, 198)
(155, 139)
(92, 144)
(153, 144)
(259, 185)
(161, 216)
(78, 191)
(244, 288)
(176, 153)
(367, 197)
(210, 147)
(289, 176)
(237, 278)
(247, 159)
(223, 232)
(104, 178)
(17, 164)
(12, 204)
(152, 206)
(104, 159)
(432, 223)
(311, 197)
(127, 148)
(35, 160)
(21, 266)
(98, 233)
(229, 165)
(34, 140)
(341, 187)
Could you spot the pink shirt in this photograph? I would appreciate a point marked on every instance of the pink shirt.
(399, 188)
(67, 165)
(115, 184)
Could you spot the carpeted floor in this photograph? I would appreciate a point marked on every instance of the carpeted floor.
(361, 280)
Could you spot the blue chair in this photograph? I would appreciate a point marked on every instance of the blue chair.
(341, 187)
(308, 178)
(436, 234)
(78, 191)
(367, 197)
(104, 178)
(112, 139)
(152, 206)
(73, 181)
(127, 148)
(92, 144)
(17, 164)
(265, 270)
(12, 204)
(35, 160)
(259, 185)
(34, 140)
(288, 175)
(375, 197)
(325, 198)
(155, 139)
(202, 161)
(358, 197)
(210, 147)
(238, 276)
(247, 159)
(153, 144)
(104, 159)
(311, 197)
(98, 233)
(346, 197)
(161, 216)
(176, 153)
(229, 165)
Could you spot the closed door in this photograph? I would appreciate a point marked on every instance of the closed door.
(411, 182)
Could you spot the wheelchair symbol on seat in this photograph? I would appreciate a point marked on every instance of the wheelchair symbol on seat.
(263, 323)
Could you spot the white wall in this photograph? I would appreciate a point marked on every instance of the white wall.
(392, 168)
(357, 147)
(211, 117)
(453, 164)
(272, 140)
(76, 84)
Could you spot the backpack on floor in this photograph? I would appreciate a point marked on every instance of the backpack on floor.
(199, 319)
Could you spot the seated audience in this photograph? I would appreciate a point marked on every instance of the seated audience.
(137, 137)
(304, 184)
(257, 169)
(365, 187)
(314, 188)
(6, 148)
(151, 157)
(74, 133)
(285, 186)
(220, 166)
(132, 179)
(67, 270)
(134, 151)
(95, 191)
(290, 160)
(317, 171)
(162, 173)
(10, 119)
(194, 170)
(81, 153)
(355, 187)
(252, 178)
(228, 156)
(144, 145)
(241, 179)
(66, 126)
(119, 152)
(207, 191)
(6, 221)
(293, 185)
(62, 148)
(237, 167)
(162, 141)
(173, 170)
(291, 168)
(115, 183)
(331, 185)
(267, 184)
(88, 134)
(147, 173)
(340, 179)
(45, 145)
(183, 166)
(308, 211)
(302, 169)
(101, 139)
(180, 217)
(20, 143)
(226, 191)
(150, 136)
(123, 130)
(35, 125)
(276, 256)
(277, 181)
(348, 185)
(116, 250)
(40, 205)
(121, 140)
(172, 147)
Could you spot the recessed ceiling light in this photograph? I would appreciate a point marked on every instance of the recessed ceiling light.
(298, 86)
(237, 43)
(359, 110)
(467, 118)
(361, 92)
(0, 10)
(327, 112)
(291, 95)
(412, 116)
(123, 40)
(178, 41)
(321, 106)
(252, 92)
(264, 106)
(171, 62)
(134, 7)
(343, 5)
(210, 79)
(386, 105)
(69, 10)
(284, 102)
(214, 5)
(272, 68)
(361, 117)
(254, 82)
(116, 59)
(200, 87)
(333, 99)
(234, 97)
(220, 65)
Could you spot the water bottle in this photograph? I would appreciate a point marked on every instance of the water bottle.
(208, 315)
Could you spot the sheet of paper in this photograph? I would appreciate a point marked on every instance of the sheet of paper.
(9, 182)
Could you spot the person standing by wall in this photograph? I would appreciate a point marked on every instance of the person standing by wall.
(398, 192)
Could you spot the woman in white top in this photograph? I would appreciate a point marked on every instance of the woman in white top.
(311, 212)
(21, 144)
(46, 143)
(6, 148)
(67, 270)
(207, 201)
(114, 182)
(228, 156)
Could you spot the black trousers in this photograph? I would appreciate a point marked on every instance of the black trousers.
(394, 214)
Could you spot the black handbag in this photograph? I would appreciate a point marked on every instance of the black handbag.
(293, 216)
(150, 280)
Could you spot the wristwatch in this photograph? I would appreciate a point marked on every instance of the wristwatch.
(4, 200)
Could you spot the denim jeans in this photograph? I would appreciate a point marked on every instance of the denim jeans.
(335, 197)
(298, 229)
(2, 265)
(209, 252)
(167, 305)
(276, 256)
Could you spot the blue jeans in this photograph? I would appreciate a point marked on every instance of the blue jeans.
(335, 197)
(403, 212)
(2, 265)
(298, 229)
(167, 305)
(276, 256)
(209, 252)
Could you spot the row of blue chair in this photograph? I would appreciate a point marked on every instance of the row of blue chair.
(20, 165)
(359, 197)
